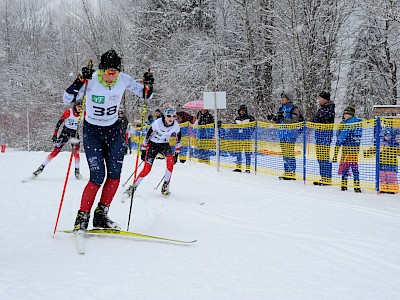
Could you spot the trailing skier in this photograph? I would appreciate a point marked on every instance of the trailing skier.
(70, 120)
(102, 139)
(157, 141)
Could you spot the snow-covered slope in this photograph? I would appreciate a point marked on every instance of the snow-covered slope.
(258, 238)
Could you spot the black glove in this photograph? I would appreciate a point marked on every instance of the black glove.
(87, 73)
(176, 154)
(54, 139)
(271, 117)
(279, 116)
(148, 78)
(148, 81)
(143, 156)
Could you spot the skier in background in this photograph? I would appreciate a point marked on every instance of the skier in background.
(102, 133)
(70, 120)
(157, 141)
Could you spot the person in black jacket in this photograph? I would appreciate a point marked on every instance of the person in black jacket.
(244, 136)
(204, 135)
(323, 137)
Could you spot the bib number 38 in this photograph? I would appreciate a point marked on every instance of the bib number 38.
(101, 111)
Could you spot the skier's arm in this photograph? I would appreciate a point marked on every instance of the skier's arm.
(148, 136)
(135, 87)
(64, 116)
(74, 91)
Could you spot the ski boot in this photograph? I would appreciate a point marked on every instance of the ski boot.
(130, 190)
(165, 189)
(101, 219)
(81, 221)
(77, 174)
(38, 171)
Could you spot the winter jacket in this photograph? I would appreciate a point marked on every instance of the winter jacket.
(204, 119)
(325, 115)
(291, 115)
(350, 135)
(243, 132)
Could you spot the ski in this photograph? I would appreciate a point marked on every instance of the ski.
(111, 232)
(80, 242)
(30, 178)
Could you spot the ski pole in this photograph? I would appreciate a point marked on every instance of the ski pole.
(131, 175)
(90, 65)
(144, 107)
(159, 182)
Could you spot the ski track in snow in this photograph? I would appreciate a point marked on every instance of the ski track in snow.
(258, 238)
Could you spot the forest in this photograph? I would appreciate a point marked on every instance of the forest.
(252, 49)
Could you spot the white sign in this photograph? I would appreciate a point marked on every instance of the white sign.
(214, 98)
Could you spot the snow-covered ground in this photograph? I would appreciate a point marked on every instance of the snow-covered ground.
(258, 238)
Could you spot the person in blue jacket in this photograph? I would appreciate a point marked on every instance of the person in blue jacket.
(243, 136)
(323, 137)
(349, 139)
(288, 113)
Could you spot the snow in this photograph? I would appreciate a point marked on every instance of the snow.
(258, 238)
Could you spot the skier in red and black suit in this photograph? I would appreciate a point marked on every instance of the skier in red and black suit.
(157, 141)
(70, 120)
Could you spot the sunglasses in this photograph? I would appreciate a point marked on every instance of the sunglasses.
(113, 72)
(169, 116)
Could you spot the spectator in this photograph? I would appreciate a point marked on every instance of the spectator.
(158, 114)
(204, 135)
(388, 160)
(349, 139)
(288, 113)
(244, 135)
(150, 120)
(185, 117)
(3, 142)
(323, 137)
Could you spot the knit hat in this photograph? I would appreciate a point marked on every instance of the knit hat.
(110, 60)
(325, 95)
(243, 107)
(287, 95)
(350, 110)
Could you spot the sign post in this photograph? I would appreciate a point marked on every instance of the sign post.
(215, 100)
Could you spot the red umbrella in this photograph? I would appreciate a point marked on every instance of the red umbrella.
(196, 104)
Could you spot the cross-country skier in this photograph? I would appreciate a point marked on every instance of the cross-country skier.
(102, 133)
(70, 120)
(157, 141)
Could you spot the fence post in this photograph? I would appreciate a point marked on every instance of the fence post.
(304, 150)
(377, 152)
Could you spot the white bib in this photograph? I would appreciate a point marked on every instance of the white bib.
(161, 133)
(71, 122)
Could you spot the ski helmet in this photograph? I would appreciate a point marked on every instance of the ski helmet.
(110, 60)
(170, 111)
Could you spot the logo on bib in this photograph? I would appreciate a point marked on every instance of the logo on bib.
(98, 99)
